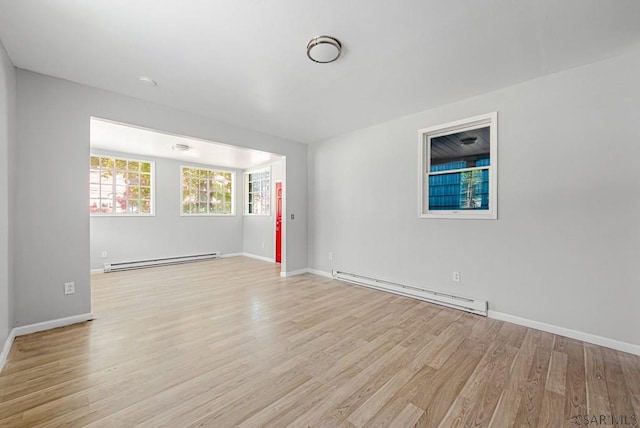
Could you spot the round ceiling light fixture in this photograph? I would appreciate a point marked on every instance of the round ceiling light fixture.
(324, 49)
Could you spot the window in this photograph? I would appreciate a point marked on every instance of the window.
(258, 192)
(207, 192)
(120, 186)
(458, 169)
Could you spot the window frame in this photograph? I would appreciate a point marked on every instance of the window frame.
(246, 176)
(209, 169)
(425, 135)
(152, 186)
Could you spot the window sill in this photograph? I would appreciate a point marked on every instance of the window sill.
(460, 215)
(121, 215)
(207, 215)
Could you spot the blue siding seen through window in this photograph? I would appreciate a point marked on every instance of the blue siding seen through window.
(460, 190)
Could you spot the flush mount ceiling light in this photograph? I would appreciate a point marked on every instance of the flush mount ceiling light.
(324, 49)
(148, 81)
(181, 147)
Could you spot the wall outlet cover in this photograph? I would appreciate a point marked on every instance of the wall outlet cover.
(69, 288)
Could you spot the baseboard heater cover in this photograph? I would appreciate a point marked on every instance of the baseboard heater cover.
(142, 264)
(467, 304)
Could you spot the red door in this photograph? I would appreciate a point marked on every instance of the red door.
(278, 222)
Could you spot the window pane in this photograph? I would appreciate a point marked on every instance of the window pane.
(466, 149)
(107, 163)
(132, 206)
(145, 192)
(95, 162)
(466, 190)
(94, 176)
(121, 164)
(94, 191)
(133, 165)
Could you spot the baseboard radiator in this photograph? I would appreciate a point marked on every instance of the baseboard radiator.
(467, 304)
(142, 264)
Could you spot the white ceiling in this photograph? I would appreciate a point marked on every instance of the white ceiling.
(111, 136)
(244, 61)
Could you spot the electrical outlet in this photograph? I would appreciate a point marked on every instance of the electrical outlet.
(456, 277)
(104, 254)
(262, 244)
(330, 255)
(69, 287)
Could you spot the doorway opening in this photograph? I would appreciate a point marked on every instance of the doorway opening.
(155, 196)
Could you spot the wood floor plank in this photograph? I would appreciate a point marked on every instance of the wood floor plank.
(597, 391)
(408, 417)
(575, 385)
(229, 342)
(557, 374)
(534, 387)
(620, 398)
(630, 365)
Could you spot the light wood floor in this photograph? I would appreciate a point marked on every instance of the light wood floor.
(230, 343)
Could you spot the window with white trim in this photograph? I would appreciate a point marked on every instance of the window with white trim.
(120, 186)
(207, 191)
(258, 192)
(458, 169)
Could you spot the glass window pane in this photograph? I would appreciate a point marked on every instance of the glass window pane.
(466, 190)
(94, 205)
(131, 178)
(121, 164)
(94, 176)
(145, 192)
(106, 163)
(133, 206)
(133, 165)
(460, 150)
(145, 179)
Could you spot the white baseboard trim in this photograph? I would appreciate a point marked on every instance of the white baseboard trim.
(293, 273)
(34, 328)
(224, 256)
(320, 273)
(264, 259)
(48, 325)
(6, 349)
(95, 271)
(567, 332)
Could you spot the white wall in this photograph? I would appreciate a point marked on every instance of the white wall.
(7, 164)
(567, 240)
(52, 222)
(167, 233)
(259, 231)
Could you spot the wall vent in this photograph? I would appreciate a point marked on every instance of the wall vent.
(141, 264)
(467, 304)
